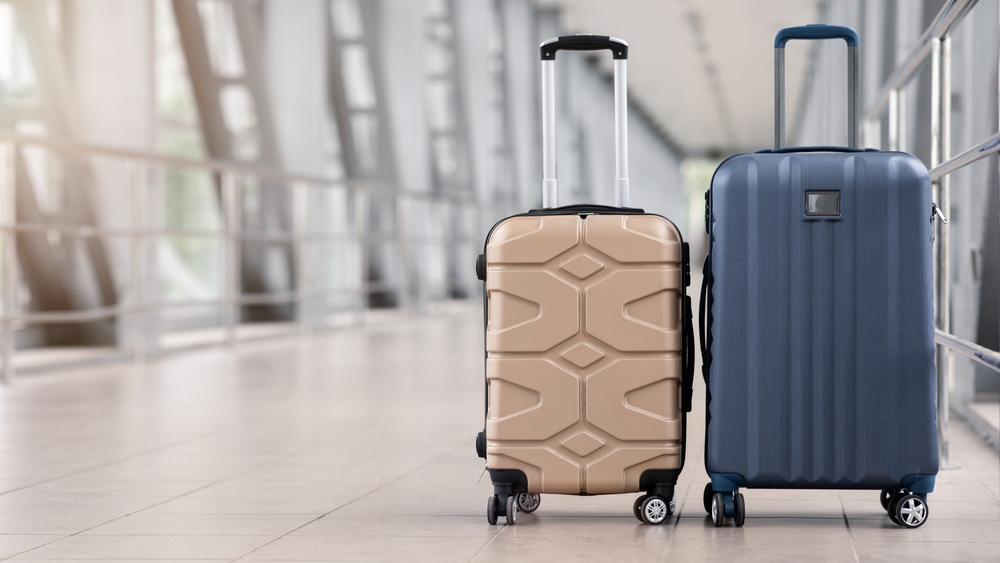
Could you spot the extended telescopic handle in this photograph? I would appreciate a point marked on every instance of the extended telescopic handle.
(548, 50)
(813, 32)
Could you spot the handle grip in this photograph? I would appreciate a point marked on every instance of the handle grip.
(816, 31)
(618, 47)
(813, 32)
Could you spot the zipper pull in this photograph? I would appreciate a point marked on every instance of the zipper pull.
(936, 212)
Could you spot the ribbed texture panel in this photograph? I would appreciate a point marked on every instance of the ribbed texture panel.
(823, 345)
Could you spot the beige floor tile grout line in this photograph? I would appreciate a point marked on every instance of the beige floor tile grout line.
(126, 458)
(975, 474)
(487, 544)
(677, 518)
(352, 501)
(192, 491)
(850, 534)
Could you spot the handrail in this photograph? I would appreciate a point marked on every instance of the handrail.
(981, 150)
(985, 356)
(934, 47)
(947, 18)
(220, 166)
(133, 305)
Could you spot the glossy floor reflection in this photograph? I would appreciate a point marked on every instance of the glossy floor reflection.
(357, 445)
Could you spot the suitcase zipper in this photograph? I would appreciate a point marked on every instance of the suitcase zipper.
(936, 212)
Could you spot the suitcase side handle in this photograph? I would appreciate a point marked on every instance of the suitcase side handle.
(814, 32)
(548, 50)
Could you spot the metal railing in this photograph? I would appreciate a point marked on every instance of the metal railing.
(935, 44)
(133, 305)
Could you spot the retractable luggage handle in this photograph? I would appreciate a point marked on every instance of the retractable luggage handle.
(548, 50)
(813, 32)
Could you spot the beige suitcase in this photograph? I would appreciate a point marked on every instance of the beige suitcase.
(589, 347)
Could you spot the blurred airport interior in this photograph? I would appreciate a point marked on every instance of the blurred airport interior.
(204, 171)
(187, 172)
(182, 174)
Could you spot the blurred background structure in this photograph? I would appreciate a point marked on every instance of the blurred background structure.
(182, 173)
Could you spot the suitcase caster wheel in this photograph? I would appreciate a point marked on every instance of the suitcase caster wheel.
(885, 496)
(911, 511)
(637, 507)
(718, 511)
(899, 494)
(511, 510)
(528, 502)
(491, 510)
(706, 497)
(740, 510)
(654, 510)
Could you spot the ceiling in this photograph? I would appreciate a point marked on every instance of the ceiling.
(704, 69)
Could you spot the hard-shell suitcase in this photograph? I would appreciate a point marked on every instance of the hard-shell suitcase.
(589, 342)
(817, 319)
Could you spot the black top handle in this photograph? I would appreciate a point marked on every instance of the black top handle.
(618, 47)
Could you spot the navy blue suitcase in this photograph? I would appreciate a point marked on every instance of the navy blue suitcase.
(817, 320)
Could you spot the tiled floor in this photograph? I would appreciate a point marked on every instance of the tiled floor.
(358, 445)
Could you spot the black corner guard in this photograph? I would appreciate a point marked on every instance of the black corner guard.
(481, 267)
(481, 444)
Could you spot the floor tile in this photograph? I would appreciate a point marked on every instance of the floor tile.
(61, 560)
(934, 530)
(140, 547)
(12, 544)
(727, 549)
(592, 547)
(30, 501)
(356, 445)
(204, 504)
(389, 525)
(79, 485)
(943, 552)
(336, 548)
(8, 485)
(203, 524)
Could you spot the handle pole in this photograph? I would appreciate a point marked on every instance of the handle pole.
(816, 32)
(549, 188)
(547, 52)
(621, 134)
(852, 96)
(779, 98)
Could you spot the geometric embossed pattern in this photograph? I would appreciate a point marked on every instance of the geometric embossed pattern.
(582, 266)
(607, 299)
(557, 301)
(582, 355)
(550, 320)
(607, 411)
(558, 409)
(583, 443)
